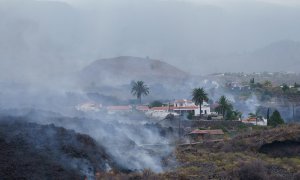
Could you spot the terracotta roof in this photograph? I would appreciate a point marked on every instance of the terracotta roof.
(212, 132)
(89, 104)
(250, 119)
(187, 107)
(119, 108)
(142, 108)
(161, 108)
(165, 108)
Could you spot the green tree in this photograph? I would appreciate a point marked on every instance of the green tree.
(268, 83)
(275, 119)
(224, 106)
(139, 89)
(156, 103)
(285, 88)
(268, 114)
(199, 96)
(233, 114)
(190, 115)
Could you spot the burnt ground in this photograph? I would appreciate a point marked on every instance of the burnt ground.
(18, 161)
(281, 148)
(32, 151)
(37, 147)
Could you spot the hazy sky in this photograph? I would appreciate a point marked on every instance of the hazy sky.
(214, 2)
(40, 39)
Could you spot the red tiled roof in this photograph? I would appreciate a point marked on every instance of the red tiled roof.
(142, 108)
(165, 108)
(212, 132)
(250, 119)
(119, 108)
(187, 107)
(89, 103)
(161, 108)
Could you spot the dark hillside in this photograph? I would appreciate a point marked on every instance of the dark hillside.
(33, 151)
(124, 69)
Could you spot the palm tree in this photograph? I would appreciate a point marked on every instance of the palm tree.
(224, 105)
(199, 96)
(139, 89)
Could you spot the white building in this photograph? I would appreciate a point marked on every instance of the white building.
(179, 107)
(160, 113)
(185, 106)
(254, 121)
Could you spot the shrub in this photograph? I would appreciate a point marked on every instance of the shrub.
(275, 119)
(190, 115)
(156, 103)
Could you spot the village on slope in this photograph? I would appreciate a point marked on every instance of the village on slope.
(186, 115)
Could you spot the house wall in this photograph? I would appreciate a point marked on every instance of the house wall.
(205, 110)
(184, 104)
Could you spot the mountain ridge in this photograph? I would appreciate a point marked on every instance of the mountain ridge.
(124, 69)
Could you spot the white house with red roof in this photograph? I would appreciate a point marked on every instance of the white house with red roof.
(183, 103)
(161, 109)
(180, 107)
(184, 106)
(256, 121)
(142, 108)
(160, 112)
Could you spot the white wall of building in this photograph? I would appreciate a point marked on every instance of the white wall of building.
(205, 110)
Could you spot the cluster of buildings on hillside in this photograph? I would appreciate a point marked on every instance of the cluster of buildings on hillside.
(237, 86)
(180, 107)
(177, 108)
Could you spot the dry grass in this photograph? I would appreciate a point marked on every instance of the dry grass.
(237, 158)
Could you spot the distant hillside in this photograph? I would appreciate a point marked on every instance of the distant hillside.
(124, 69)
(278, 56)
(275, 57)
